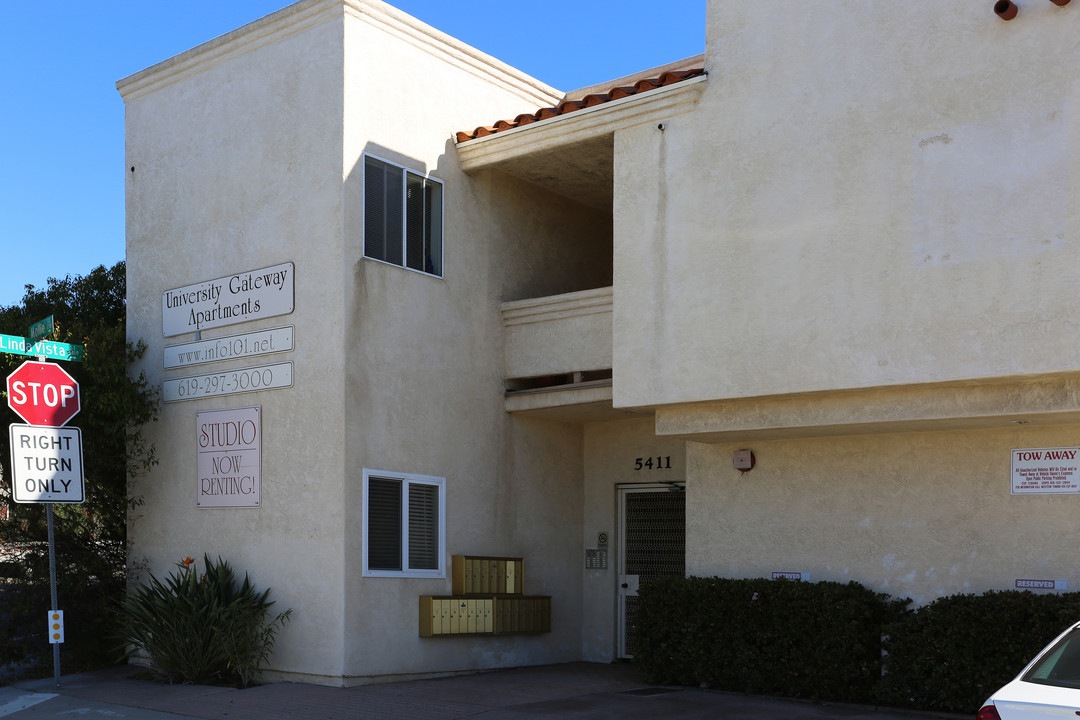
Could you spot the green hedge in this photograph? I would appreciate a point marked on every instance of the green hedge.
(769, 637)
(825, 641)
(953, 653)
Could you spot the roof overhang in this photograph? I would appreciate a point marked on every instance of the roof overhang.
(572, 154)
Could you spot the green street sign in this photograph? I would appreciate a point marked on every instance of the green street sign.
(41, 329)
(53, 350)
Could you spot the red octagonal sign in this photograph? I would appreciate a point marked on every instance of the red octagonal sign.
(43, 394)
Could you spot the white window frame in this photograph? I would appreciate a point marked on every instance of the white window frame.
(404, 219)
(407, 479)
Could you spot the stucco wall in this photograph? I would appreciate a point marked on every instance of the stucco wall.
(869, 194)
(232, 164)
(916, 515)
(425, 366)
(248, 152)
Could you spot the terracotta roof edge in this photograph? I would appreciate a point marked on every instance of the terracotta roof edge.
(696, 61)
(552, 114)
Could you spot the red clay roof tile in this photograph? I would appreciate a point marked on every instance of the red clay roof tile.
(568, 106)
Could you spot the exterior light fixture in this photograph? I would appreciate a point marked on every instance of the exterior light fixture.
(743, 460)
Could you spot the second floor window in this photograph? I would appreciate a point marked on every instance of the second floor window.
(403, 213)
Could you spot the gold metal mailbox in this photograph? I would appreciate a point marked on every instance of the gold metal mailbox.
(488, 599)
(493, 615)
(480, 575)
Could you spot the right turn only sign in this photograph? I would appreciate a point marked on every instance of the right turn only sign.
(46, 464)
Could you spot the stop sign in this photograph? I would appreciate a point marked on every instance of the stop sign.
(43, 394)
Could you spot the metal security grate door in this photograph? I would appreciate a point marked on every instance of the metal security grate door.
(652, 537)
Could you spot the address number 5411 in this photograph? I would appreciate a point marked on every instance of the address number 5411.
(659, 462)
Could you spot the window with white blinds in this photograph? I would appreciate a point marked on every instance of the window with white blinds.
(404, 525)
(403, 217)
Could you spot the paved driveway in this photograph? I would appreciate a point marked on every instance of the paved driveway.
(571, 690)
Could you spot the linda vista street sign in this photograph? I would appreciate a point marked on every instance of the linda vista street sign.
(44, 348)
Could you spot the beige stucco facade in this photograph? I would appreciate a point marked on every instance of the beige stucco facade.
(849, 247)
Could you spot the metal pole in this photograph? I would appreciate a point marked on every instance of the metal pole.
(52, 588)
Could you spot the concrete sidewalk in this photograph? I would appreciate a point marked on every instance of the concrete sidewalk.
(572, 690)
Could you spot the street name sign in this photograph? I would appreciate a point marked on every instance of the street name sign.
(41, 329)
(43, 348)
(43, 394)
(46, 464)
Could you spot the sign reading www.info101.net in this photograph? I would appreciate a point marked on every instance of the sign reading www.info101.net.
(1045, 470)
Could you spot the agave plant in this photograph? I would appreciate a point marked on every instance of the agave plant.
(200, 628)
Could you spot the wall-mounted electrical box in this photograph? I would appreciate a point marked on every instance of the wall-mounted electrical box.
(488, 599)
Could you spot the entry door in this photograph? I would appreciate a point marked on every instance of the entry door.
(652, 544)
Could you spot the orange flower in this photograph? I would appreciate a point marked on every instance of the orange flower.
(187, 561)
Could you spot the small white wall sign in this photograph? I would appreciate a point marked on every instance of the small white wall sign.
(229, 446)
(228, 382)
(1045, 471)
(790, 575)
(1033, 584)
(249, 295)
(260, 342)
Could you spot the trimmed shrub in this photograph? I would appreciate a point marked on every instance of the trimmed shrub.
(200, 629)
(956, 651)
(769, 637)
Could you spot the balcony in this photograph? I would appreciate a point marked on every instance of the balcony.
(558, 354)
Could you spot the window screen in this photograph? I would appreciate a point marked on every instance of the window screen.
(384, 524)
(383, 191)
(423, 527)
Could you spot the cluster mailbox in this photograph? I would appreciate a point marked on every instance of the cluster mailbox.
(488, 599)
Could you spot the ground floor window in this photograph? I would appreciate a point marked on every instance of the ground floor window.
(404, 525)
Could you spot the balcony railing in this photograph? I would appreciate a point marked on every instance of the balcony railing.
(559, 336)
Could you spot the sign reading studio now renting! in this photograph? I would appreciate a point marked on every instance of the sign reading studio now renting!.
(1045, 470)
(229, 444)
(249, 295)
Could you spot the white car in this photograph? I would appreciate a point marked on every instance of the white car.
(1049, 687)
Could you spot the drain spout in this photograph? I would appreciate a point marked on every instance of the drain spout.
(1006, 9)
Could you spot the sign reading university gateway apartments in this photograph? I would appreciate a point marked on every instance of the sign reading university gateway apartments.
(238, 298)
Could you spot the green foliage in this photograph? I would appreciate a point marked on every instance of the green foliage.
(91, 538)
(953, 653)
(772, 637)
(200, 629)
(825, 640)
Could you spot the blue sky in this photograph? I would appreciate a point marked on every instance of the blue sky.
(62, 120)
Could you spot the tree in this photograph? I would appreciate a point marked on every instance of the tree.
(91, 538)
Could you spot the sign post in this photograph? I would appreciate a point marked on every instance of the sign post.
(46, 457)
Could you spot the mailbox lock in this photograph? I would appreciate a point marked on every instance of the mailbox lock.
(625, 585)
